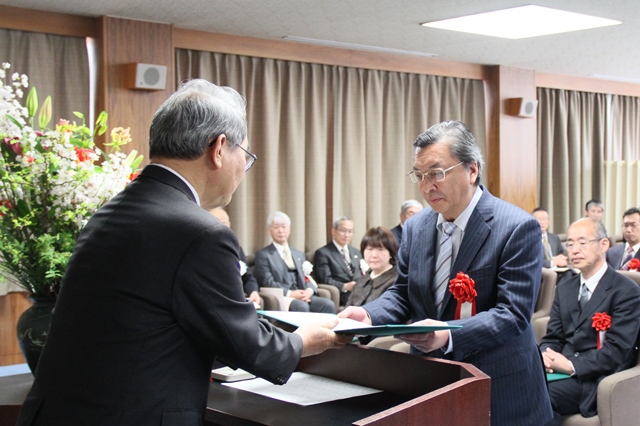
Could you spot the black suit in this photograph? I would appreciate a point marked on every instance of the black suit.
(329, 267)
(152, 295)
(271, 271)
(616, 254)
(570, 332)
(397, 232)
(249, 282)
(556, 248)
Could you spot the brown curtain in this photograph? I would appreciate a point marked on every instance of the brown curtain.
(571, 143)
(330, 140)
(58, 66)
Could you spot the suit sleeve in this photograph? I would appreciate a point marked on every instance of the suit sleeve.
(322, 269)
(209, 305)
(264, 274)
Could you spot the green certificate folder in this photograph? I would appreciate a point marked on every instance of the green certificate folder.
(552, 377)
(349, 326)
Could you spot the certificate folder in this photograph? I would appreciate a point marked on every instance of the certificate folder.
(349, 326)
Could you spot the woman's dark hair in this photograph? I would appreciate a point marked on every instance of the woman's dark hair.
(381, 237)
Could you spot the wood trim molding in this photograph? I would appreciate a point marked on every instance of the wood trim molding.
(585, 84)
(303, 52)
(16, 18)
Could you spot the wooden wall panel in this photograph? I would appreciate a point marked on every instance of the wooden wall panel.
(12, 306)
(122, 42)
(15, 18)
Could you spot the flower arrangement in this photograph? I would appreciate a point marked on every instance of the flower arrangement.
(53, 180)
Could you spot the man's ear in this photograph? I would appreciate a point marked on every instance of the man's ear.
(216, 153)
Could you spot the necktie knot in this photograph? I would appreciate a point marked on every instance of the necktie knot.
(448, 228)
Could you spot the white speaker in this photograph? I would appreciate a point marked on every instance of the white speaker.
(146, 76)
(522, 107)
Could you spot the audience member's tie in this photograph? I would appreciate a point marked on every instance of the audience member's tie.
(584, 296)
(627, 259)
(347, 259)
(545, 244)
(443, 264)
(288, 260)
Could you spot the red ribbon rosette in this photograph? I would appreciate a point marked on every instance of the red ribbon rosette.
(634, 264)
(463, 289)
(601, 321)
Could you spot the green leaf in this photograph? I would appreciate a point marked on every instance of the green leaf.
(78, 114)
(14, 121)
(23, 208)
(32, 102)
(45, 113)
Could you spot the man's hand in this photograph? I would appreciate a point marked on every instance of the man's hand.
(356, 313)
(560, 261)
(317, 338)
(304, 295)
(348, 286)
(555, 362)
(254, 297)
(427, 342)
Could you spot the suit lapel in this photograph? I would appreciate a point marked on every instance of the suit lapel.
(598, 296)
(427, 236)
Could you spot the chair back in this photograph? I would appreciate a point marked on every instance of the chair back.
(545, 296)
(634, 275)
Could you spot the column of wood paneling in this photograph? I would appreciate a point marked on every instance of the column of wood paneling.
(512, 141)
(121, 42)
(12, 306)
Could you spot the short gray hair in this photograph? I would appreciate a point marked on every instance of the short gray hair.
(336, 222)
(279, 216)
(196, 113)
(408, 204)
(462, 144)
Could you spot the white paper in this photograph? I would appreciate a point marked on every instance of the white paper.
(304, 389)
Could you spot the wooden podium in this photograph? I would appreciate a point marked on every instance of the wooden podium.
(416, 390)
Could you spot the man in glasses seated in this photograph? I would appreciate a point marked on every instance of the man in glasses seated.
(338, 263)
(620, 255)
(467, 231)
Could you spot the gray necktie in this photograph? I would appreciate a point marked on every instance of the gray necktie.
(347, 260)
(584, 296)
(443, 264)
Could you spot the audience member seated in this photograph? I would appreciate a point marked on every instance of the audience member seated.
(249, 282)
(594, 209)
(621, 254)
(278, 265)
(552, 251)
(408, 209)
(597, 299)
(380, 251)
(338, 263)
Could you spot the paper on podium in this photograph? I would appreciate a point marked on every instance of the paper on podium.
(349, 326)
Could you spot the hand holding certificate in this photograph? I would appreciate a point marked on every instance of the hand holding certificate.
(350, 326)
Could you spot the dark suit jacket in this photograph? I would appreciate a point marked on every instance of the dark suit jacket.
(556, 249)
(271, 271)
(615, 254)
(152, 295)
(329, 267)
(500, 252)
(249, 282)
(397, 232)
(368, 289)
(570, 331)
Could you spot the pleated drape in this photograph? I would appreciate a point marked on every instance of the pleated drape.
(330, 140)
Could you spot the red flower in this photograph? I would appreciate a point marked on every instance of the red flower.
(5, 203)
(463, 288)
(133, 175)
(634, 264)
(83, 154)
(601, 321)
(15, 146)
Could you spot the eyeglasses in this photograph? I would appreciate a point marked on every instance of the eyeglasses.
(249, 158)
(580, 244)
(631, 225)
(434, 175)
(345, 231)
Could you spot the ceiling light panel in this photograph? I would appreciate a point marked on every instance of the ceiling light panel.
(522, 22)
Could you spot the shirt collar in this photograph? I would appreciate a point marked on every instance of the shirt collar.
(592, 282)
(338, 246)
(193, 190)
(635, 247)
(462, 219)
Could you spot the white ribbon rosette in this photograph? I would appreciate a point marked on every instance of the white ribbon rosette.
(243, 267)
(307, 268)
(364, 266)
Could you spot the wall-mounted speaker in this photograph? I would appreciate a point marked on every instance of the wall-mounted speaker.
(522, 107)
(146, 76)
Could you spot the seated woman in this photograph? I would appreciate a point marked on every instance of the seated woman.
(380, 250)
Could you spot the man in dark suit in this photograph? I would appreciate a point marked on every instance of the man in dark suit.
(621, 254)
(152, 294)
(571, 343)
(552, 251)
(249, 283)
(338, 263)
(408, 209)
(497, 245)
(279, 265)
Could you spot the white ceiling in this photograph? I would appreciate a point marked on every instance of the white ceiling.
(611, 51)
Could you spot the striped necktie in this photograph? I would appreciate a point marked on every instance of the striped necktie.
(625, 263)
(443, 264)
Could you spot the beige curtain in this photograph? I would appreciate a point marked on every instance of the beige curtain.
(58, 66)
(625, 129)
(571, 142)
(330, 141)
